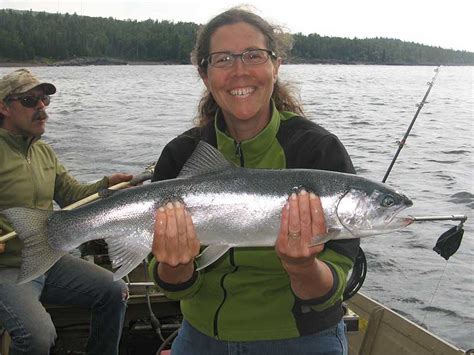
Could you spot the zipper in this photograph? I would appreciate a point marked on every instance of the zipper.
(238, 152)
(216, 315)
(32, 173)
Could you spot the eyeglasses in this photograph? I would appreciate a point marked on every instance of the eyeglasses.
(227, 59)
(31, 100)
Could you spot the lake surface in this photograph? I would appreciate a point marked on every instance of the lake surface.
(118, 118)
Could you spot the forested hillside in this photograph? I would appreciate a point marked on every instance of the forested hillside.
(44, 37)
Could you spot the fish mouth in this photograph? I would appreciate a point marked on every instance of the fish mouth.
(390, 218)
(401, 222)
(388, 224)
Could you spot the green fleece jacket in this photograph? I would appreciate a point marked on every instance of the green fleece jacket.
(246, 295)
(32, 176)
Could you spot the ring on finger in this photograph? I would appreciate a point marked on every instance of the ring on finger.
(293, 235)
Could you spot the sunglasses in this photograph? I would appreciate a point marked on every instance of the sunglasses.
(31, 100)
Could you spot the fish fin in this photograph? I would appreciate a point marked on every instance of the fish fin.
(210, 255)
(126, 253)
(37, 255)
(331, 234)
(205, 159)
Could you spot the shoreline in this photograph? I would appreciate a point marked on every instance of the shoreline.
(36, 64)
(111, 61)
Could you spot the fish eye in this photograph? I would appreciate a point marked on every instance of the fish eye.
(388, 201)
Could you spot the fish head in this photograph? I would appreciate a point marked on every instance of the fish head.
(372, 210)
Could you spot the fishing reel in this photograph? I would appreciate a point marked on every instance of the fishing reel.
(446, 246)
(448, 243)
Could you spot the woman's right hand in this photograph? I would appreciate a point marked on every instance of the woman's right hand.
(175, 245)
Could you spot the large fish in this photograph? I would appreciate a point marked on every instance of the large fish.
(230, 206)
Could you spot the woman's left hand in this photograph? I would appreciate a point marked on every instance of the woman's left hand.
(302, 218)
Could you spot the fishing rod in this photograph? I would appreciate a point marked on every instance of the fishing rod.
(448, 243)
(137, 179)
(407, 133)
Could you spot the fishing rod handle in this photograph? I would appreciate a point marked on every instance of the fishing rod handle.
(7, 237)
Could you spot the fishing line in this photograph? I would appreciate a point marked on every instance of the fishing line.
(447, 244)
(434, 293)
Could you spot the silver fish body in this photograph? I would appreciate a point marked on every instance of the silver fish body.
(230, 207)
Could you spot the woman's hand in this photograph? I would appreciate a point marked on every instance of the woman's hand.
(175, 245)
(302, 218)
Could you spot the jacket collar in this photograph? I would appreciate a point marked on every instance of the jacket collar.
(17, 142)
(252, 149)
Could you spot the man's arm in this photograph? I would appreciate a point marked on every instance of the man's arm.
(68, 190)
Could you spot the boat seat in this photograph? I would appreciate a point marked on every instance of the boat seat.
(351, 319)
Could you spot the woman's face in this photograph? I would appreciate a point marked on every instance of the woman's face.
(242, 91)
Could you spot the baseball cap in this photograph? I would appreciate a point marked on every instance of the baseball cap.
(21, 81)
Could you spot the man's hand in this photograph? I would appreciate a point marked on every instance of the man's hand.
(118, 178)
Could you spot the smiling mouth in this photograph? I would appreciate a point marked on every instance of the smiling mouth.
(242, 92)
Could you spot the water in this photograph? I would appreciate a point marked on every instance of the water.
(118, 118)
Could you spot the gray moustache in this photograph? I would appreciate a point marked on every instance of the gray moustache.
(40, 115)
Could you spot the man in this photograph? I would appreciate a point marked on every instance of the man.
(32, 176)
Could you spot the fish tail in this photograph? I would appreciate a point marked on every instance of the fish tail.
(37, 255)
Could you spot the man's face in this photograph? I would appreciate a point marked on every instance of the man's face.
(22, 120)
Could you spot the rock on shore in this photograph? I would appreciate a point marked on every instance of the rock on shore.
(89, 61)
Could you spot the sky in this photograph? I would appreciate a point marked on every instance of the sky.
(444, 23)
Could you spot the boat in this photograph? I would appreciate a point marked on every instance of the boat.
(384, 331)
(152, 320)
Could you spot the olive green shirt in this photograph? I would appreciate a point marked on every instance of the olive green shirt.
(32, 176)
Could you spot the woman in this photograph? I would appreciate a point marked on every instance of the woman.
(285, 300)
